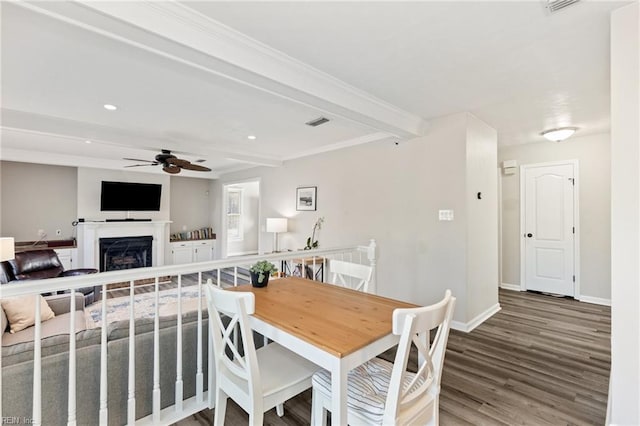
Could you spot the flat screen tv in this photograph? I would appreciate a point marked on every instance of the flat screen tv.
(128, 196)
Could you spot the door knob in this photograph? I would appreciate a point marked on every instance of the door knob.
(529, 235)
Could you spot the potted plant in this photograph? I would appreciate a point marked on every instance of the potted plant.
(260, 272)
(312, 243)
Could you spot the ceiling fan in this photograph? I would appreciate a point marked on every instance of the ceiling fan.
(170, 163)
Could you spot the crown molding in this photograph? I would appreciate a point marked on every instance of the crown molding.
(175, 31)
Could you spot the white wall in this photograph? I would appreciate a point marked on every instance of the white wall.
(190, 203)
(37, 196)
(391, 193)
(624, 395)
(90, 186)
(482, 217)
(593, 154)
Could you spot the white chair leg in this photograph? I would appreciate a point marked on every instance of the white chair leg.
(280, 410)
(256, 418)
(220, 411)
(318, 413)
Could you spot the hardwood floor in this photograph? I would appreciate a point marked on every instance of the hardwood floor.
(541, 360)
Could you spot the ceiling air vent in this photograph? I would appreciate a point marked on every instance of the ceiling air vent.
(556, 5)
(317, 122)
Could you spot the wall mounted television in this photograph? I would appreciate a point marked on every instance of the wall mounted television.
(129, 196)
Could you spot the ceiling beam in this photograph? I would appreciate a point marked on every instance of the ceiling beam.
(175, 31)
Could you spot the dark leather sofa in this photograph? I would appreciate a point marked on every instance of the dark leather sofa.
(42, 264)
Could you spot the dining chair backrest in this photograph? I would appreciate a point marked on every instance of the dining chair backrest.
(350, 275)
(406, 398)
(230, 364)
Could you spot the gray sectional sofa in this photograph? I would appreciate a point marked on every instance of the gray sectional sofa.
(17, 367)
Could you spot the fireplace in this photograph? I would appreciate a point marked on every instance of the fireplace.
(125, 253)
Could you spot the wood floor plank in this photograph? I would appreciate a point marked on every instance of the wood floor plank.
(541, 360)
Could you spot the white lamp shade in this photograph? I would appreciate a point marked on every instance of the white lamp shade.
(277, 224)
(7, 248)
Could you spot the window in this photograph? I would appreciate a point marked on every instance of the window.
(234, 214)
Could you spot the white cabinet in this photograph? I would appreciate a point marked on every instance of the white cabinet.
(192, 251)
(203, 250)
(68, 257)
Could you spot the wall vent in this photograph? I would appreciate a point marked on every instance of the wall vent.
(317, 122)
(556, 5)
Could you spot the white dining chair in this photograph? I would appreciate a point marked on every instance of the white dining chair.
(256, 380)
(384, 393)
(350, 275)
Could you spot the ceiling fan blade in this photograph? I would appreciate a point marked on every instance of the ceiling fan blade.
(171, 169)
(142, 165)
(196, 167)
(177, 162)
(137, 159)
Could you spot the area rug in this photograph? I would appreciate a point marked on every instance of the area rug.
(145, 305)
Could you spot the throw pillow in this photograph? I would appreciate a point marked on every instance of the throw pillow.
(3, 321)
(21, 311)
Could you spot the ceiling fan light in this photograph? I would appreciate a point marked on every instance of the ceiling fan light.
(560, 134)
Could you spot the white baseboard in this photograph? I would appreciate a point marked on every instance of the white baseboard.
(507, 286)
(595, 300)
(467, 327)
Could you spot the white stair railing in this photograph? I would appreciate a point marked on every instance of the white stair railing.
(318, 260)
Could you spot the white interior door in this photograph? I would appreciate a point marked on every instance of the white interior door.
(548, 230)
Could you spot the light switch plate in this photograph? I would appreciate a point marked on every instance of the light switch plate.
(445, 214)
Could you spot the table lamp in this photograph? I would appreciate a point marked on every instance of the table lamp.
(276, 225)
(7, 249)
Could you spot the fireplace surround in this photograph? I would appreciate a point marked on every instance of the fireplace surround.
(90, 234)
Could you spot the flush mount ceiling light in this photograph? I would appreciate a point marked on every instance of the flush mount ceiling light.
(558, 135)
(251, 137)
(110, 107)
(87, 141)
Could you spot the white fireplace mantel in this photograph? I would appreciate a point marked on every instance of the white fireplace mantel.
(89, 234)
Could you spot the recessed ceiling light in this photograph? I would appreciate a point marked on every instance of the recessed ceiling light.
(558, 135)
(87, 141)
(110, 107)
(251, 137)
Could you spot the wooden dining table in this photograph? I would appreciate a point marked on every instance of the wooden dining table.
(334, 327)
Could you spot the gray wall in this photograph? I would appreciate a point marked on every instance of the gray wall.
(391, 193)
(593, 154)
(190, 204)
(37, 196)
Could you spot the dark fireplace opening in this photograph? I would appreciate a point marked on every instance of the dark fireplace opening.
(125, 253)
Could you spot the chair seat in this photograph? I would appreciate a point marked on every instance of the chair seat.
(367, 388)
(280, 370)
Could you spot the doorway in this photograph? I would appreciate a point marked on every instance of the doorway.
(241, 218)
(549, 247)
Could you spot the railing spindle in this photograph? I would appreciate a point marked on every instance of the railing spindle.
(37, 365)
(179, 383)
(199, 372)
(131, 402)
(104, 412)
(156, 356)
(71, 414)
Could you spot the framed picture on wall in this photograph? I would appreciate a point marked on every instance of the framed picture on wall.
(306, 198)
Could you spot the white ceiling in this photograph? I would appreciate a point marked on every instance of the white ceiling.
(199, 77)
